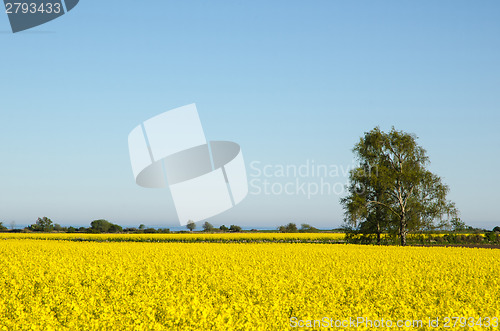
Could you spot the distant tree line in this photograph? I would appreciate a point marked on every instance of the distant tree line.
(208, 227)
(45, 224)
(292, 228)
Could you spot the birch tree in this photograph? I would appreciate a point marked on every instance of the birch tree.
(392, 187)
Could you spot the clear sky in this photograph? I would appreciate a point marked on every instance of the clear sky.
(295, 83)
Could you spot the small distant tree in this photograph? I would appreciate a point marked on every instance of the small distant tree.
(42, 224)
(207, 227)
(291, 227)
(46, 224)
(457, 224)
(307, 228)
(2, 228)
(103, 226)
(58, 227)
(223, 228)
(235, 228)
(12, 225)
(142, 227)
(100, 225)
(191, 225)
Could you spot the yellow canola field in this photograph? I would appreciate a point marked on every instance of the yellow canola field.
(66, 285)
(188, 237)
(202, 237)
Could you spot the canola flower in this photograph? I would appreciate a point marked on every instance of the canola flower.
(68, 285)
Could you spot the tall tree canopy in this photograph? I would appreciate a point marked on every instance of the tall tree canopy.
(392, 189)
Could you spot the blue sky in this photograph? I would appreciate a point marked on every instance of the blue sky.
(293, 82)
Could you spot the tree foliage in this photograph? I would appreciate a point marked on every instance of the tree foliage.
(290, 227)
(104, 226)
(207, 227)
(457, 224)
(42, 224)
(391, 189)
(191, 225)
(234, 228)
(307, 228)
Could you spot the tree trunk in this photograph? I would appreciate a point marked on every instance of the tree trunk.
(403, 239)
(378, 232)
(402, 230)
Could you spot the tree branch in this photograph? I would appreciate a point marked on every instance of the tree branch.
(383, 204)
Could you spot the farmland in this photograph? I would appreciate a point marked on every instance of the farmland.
(109, 284)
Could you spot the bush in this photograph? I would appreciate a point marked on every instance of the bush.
(103, 226)
(307, 228)
(42, 224)
(290, 227)
(207, 227)
(235, 228)
(492, 237)
(115, 228)
(438, 239)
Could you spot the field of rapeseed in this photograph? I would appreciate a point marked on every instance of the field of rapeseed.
(68, 285)
(184, 237)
